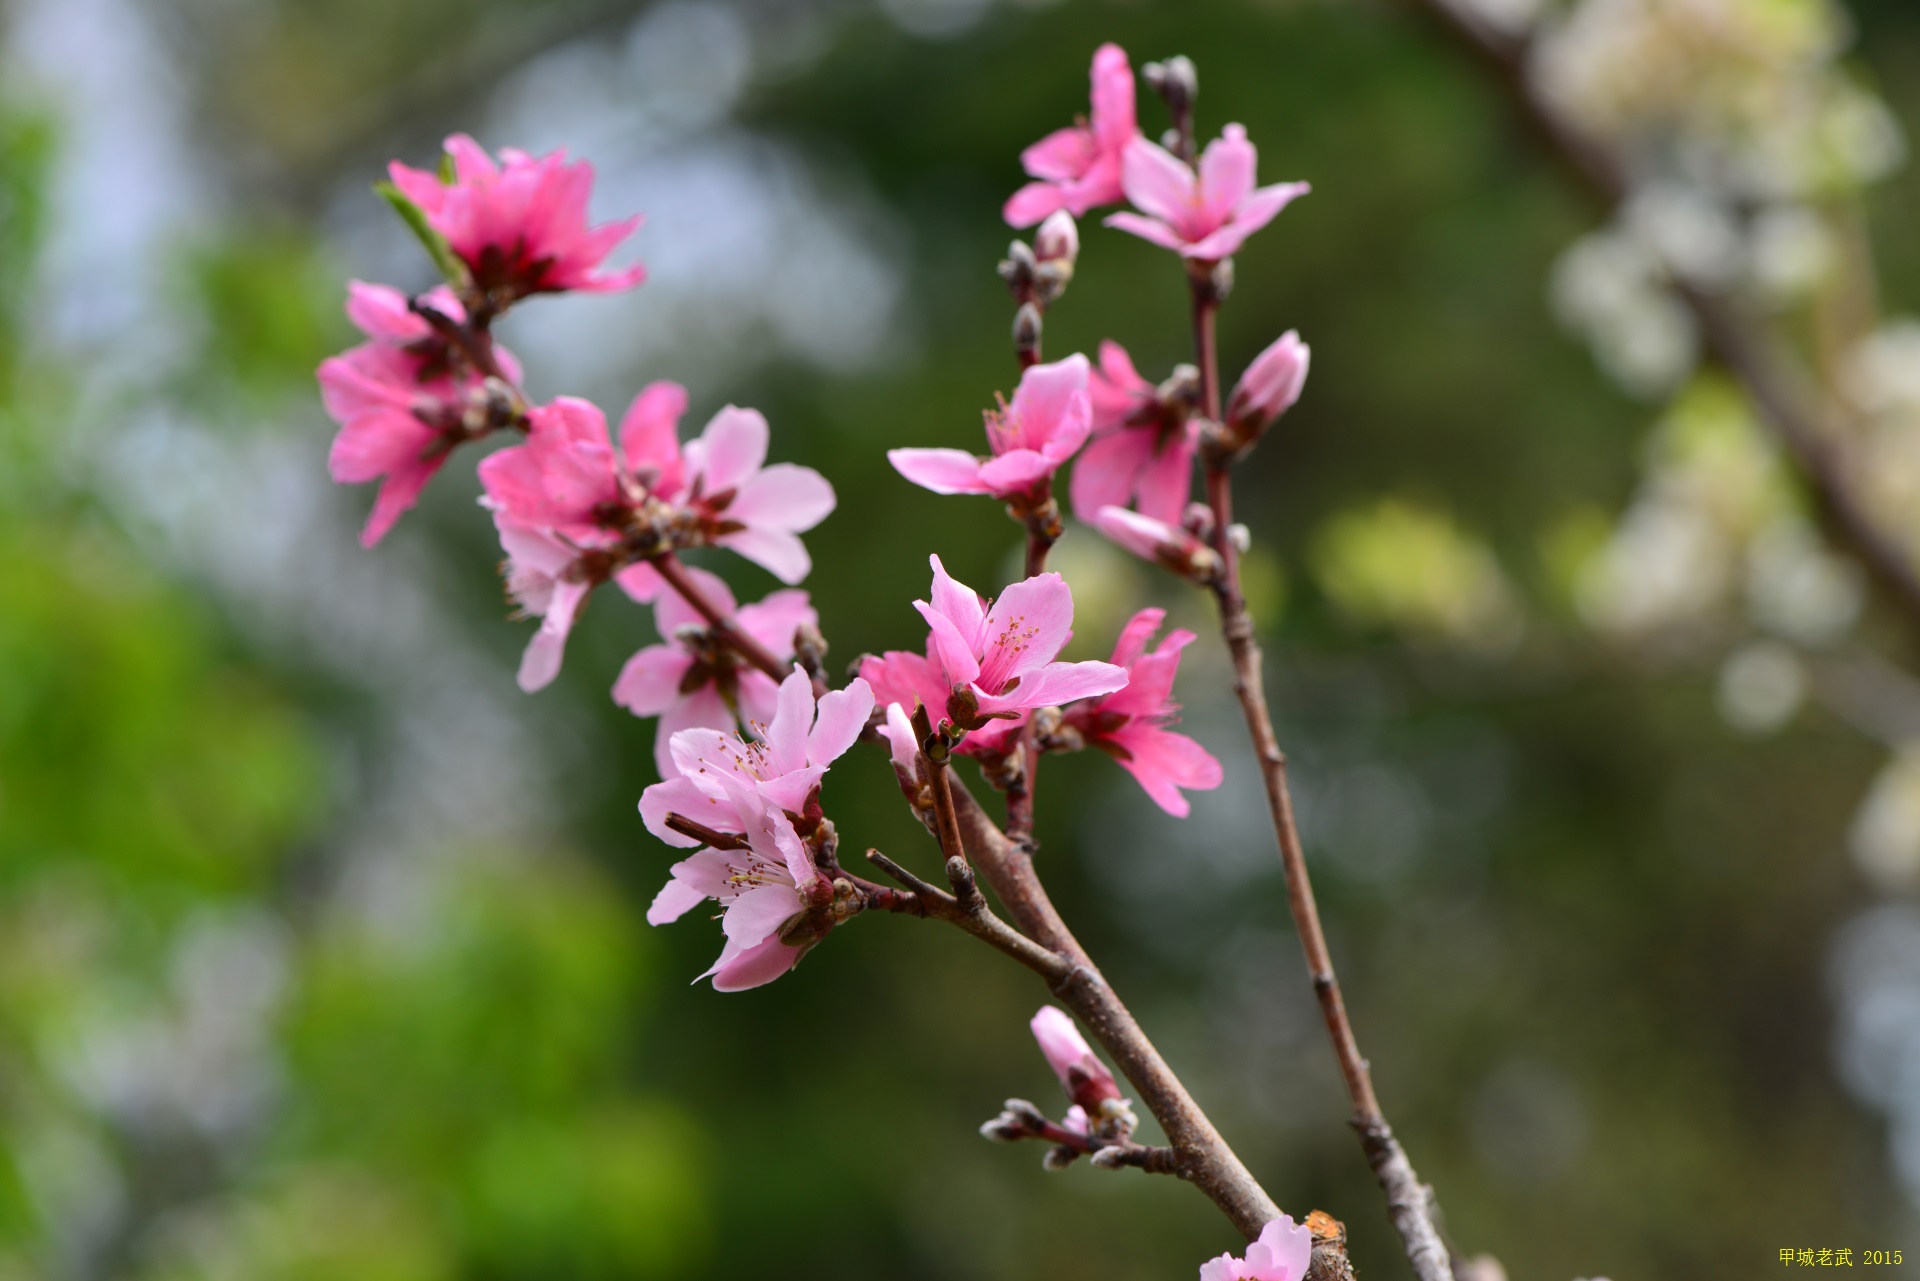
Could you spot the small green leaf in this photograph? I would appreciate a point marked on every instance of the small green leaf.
(446, 167)
(435, 244)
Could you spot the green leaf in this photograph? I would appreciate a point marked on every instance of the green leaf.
(435, 244)
(446, 168)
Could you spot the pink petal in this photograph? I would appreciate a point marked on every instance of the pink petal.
(1135, 635)
(1150, 677)
(760, 912)
(703, 709)
(773, 620)
(1045, 398)
(758, 696)
(1148, 229)
(1142, 535)
(650, 681)
(470, 159)
(843, 715)
(786, 736)
(1059, 683)
(779, 553)
(731, 448)
(397, 495)
(1163, 762)
(1226, 174)
(960, 603)
(753, 967)
(1030, 623)
(541, 663)
(1114, 122)
(1104, 476)
(1157, 183)
(900, 677)
(1032, 203)
(958, 665)
(371, 445)
(671, 612)
(1220, 1269)
(944, 471)
(678, 795)
(641, 582)
(1254, 213)
(1015, 473)
(381, 312)
(785, 497)
(1061, 156)
(650, 435)
(1166, 478)
(675, 899)
(902, 743)
(1283, 1252)
(790, 790)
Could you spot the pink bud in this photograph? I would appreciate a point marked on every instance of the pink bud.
(1269, 387)
(1058, 239)
(1084, 1077)
(1176, 548)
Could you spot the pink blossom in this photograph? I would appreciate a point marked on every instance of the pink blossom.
(1047, 422)
(715, 490)
(1171, 545)
(1078, 168)
(1270, 386)
(763, 889)
(403, 400)
(1205, 216)
(1002, 660)
(783, 767)
(1131, 725)
(521, 225)
(1083, 1076)
(901, 680)
(550, 580)
(1141, 453)
(691, 681)
(1283, 1253)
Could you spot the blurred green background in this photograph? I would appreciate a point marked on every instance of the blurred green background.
(322, 950)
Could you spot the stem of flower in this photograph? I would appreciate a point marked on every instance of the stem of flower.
(1410, 1204)
(722, 624)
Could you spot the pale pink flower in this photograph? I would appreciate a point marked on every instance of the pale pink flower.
(1205, 216)
(521, 225)
(1002, 660)
(1270, 386)
(402, 399)
(901, 679)
(714, 490)
(1041, 429)
(692, 681)
(1083, 1076)
(1131, 725)
(783, 767)
(550, 580)
(1283, 1253)
(1140, 454)
(1078, 168)
(762, 888)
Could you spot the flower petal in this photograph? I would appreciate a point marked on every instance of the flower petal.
(786, 735)
(1148, 229)
(731, 448)
(779, 553)
(775, 618)
(759, 912)
(784, 496)
(1157, 182)
(753, 967)
(650, 681)
(944, 471)
(1226, 174)
(843, 715)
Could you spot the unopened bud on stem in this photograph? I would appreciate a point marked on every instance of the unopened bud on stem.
(1026, 333)
(1269, 387)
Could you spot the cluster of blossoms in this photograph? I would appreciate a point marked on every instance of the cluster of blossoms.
(748, 727)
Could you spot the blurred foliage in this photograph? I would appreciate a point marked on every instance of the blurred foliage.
(246, 1031)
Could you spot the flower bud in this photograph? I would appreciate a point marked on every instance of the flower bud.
(1026, 331)
(1058, 239)
(1178, 549)
(1268, 389)
(1176, 80)
(1083, 1076)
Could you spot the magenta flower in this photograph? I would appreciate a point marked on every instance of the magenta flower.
(402, 400)
(692, 681)
(1082, 1075)
(782, 768)
(1001, 660)
(1131, 726)
(1078, 168)
(901, 679)
(763, 889)
(1205, 216)
(1283, 1253)
(1140, 454)
(1047, 422)
(520, 226)
(550, 580)
(570, 478)
(1270, 386)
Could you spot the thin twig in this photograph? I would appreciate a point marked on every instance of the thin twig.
(721, 623)
(1410, 1203)
(705, 835)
